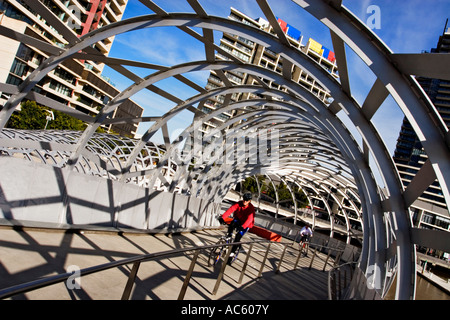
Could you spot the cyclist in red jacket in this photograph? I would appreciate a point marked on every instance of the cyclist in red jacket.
(243, 218)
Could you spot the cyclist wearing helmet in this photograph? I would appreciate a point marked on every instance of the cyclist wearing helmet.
(244, 218)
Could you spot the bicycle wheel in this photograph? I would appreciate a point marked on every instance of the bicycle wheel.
(216, 253)
(232, 258)
(305, 249)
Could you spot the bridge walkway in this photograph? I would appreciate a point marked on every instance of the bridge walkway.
(30, 253)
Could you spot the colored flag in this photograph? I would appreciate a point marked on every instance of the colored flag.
(293, 33)
(283, 25)
(315, 46)
(326, 52)
(331, 56)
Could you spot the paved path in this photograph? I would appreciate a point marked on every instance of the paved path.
(32, 253)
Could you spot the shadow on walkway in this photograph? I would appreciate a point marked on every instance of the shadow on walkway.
(30, 254)
(300, 284)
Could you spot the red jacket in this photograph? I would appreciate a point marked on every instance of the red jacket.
(245, 215)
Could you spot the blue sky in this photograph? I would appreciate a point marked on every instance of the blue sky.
(409, 26)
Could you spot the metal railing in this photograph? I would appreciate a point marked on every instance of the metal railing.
(137, 260)
(339, 280)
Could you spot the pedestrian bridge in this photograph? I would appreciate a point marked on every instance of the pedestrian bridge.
(112, 266)
(288, 133)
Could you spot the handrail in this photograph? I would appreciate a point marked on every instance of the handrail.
(47, 281)
(332, 291)
(136, 260)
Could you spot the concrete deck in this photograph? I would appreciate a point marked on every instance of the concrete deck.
(28, 254)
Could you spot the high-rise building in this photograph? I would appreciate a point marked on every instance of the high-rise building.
(430, 210)
(75, 83)
(251, 52)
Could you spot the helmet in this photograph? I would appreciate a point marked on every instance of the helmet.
(247, 196)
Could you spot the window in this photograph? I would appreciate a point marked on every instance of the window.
(63, 74)
(13, 80)
(241, 55)
(442, 222)
(19, 68)
(234, 78)
(58, 87)
(206, 110)
(427, 218)
(25, 53)
(225, 47)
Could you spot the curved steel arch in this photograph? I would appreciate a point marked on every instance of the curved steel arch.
(87, 135)
(346, 28)
(303, 111)
(249, 102)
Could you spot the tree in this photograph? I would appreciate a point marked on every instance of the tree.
(34, 117)
(285, 197)
(31, 116)
(65, 122)
(250, 184)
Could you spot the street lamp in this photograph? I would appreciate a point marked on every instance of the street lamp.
(49, 117)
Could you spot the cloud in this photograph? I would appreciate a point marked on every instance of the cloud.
(164, 46)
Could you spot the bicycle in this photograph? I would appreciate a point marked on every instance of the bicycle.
(220, 251)
(304, 245)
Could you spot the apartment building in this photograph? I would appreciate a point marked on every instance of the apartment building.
(251, 52)
(75, 83)
(430, 211)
